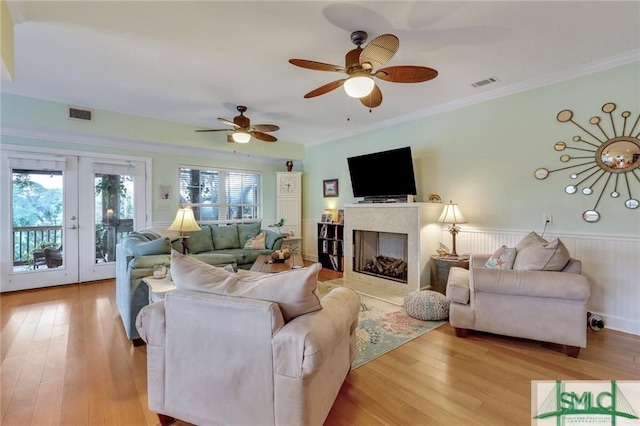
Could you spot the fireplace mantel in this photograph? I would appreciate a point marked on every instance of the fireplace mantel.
(414, 219)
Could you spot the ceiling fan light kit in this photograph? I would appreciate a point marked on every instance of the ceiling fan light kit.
(243, 131)
(361, 65)
(241, 136)
(359, 86)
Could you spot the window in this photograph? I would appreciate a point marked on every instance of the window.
(218, 195)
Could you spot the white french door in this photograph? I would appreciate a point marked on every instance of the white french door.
(78, 206)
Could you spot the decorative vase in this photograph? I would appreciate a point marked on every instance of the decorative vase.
(289, 165)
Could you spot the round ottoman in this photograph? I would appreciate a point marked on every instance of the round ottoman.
(426, 305)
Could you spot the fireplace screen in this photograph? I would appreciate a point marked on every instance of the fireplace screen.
(382, 254)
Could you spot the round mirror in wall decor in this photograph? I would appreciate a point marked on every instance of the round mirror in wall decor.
(607, 158)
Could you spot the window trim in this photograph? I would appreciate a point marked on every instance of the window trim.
(223, 205)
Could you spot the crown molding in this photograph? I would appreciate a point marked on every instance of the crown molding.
(535, 83)
(88, 139)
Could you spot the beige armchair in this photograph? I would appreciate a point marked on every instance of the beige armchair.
(221, 359)
(549, 306)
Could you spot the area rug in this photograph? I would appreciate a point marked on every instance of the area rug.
(382, 327)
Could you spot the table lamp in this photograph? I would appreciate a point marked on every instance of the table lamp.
(451, 214)
(184, 222)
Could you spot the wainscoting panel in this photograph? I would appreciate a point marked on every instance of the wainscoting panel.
(612, 264)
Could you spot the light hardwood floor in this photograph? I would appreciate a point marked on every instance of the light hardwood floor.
(66, 361)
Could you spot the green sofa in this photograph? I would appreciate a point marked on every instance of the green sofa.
(216, 245)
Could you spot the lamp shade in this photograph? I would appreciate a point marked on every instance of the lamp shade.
(358, 86)
(184, 221)
(241, 136)
(451, 214)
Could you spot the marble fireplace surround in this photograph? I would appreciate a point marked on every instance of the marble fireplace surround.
(414, 219)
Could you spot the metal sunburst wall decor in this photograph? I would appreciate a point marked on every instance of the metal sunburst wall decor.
(613, 159)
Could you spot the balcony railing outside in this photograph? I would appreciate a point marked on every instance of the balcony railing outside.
(27, 238)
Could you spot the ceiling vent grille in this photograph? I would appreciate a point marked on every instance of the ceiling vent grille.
(80, 114)
(486, 81)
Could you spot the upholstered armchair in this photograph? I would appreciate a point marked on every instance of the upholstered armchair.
(549, 306)
(246, 348)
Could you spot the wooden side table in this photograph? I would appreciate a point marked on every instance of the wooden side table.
(294, 244)
(440, 267)
(158, 287)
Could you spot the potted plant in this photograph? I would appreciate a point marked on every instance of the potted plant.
(278, 225)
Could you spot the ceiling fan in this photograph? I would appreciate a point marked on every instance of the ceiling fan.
(360, 66)
(243, 130)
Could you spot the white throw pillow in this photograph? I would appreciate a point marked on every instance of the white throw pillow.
(536, 254)
(293, 291)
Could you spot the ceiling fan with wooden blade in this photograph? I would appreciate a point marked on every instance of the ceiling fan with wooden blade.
(242, 130)
(361, 64)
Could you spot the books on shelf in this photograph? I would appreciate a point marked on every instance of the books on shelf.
(334, 262)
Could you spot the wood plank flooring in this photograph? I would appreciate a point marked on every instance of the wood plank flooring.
(66, 361)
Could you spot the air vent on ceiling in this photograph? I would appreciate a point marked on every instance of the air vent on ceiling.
(486, 81)
(80, 114)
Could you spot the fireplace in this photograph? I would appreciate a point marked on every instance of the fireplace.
(402, 231)
(381, 254)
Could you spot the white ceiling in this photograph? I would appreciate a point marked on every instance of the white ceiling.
(191, 62)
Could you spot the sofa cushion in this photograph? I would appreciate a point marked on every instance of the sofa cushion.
(200, 241)
(293, 291)
(537, 254)
(215, 258)
(503, 258)
(247, 231)
(225, 237)
(145, 248)
(256, 243)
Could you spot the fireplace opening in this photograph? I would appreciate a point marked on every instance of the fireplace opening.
(382, 254)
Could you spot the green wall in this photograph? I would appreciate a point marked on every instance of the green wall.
(483, 157)
(29, 122)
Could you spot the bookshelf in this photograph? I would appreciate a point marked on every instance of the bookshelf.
(330, 245)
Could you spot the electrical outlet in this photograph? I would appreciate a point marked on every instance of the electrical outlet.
(547, 219)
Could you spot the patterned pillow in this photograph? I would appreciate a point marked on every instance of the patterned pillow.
(502, 258)
(257, 242)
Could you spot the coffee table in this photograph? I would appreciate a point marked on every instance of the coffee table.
(262, 264)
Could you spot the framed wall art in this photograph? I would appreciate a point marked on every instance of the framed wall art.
(330, 188)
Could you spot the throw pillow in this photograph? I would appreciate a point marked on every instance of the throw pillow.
(502, 258)
(532, 238)
(538, 254)
(157, 246)
(293, 291)
(248, 230)
(257, 242)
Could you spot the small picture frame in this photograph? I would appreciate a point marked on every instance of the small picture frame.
(330, 188)
(341, 217)
(327, 218)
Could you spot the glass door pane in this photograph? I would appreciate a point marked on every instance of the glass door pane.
(37, 199)
(114, 208)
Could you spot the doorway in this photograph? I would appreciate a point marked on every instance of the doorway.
(61, 216)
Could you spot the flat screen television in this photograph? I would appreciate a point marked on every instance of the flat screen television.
(385, 174)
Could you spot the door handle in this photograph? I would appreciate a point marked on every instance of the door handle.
(72, 227)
